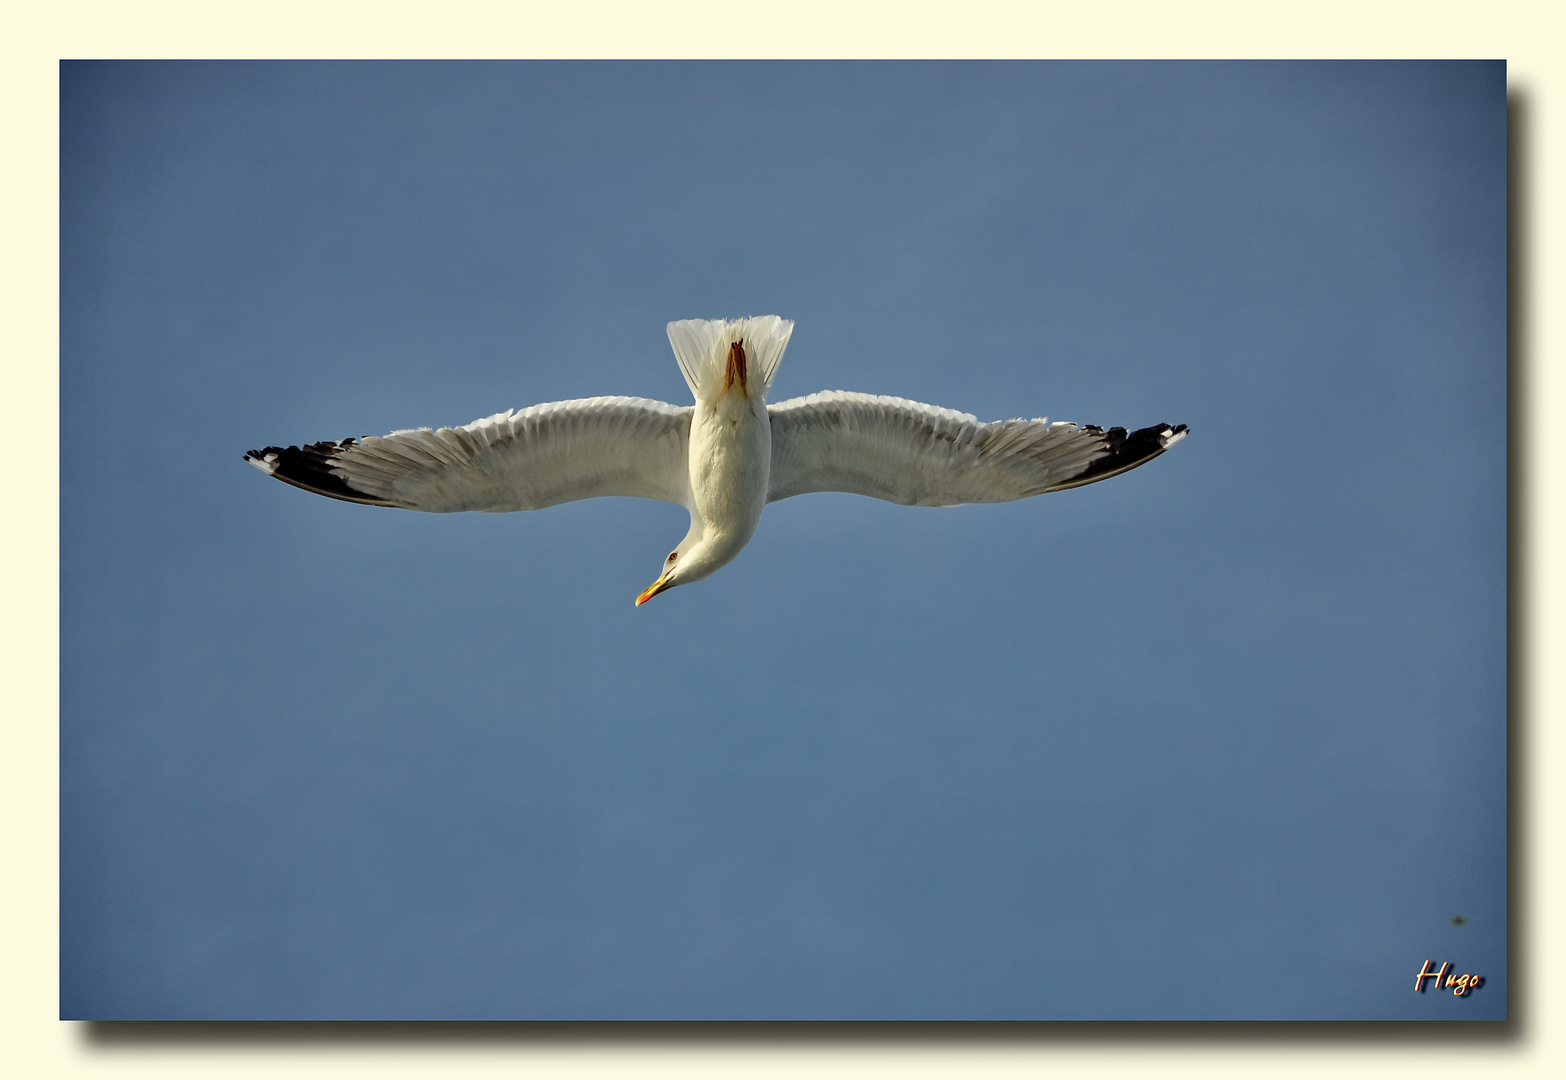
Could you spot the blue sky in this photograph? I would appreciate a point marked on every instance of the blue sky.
(1237, 717)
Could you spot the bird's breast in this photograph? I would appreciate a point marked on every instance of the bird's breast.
(731, 462)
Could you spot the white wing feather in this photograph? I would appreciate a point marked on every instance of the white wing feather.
(921, 455)
(522, 460)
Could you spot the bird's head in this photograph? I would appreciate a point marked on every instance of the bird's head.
(667, 580)
(693, 560)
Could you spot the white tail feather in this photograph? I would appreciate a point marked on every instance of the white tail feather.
(702, 348)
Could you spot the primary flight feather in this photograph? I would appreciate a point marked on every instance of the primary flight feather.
(723, 458)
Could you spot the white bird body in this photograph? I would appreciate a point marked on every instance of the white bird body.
(723, 459)
(730, 461)
(730, 449)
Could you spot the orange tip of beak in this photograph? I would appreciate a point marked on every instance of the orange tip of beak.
(653, 590)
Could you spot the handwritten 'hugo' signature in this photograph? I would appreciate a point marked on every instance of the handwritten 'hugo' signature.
(1460, 984)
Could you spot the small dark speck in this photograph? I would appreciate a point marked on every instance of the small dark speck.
(1459, 919)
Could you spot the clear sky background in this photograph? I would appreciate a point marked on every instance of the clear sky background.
(1223, 737)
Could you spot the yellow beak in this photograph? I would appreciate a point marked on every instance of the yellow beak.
(653, 590)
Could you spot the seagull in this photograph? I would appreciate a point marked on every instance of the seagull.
(723, 459)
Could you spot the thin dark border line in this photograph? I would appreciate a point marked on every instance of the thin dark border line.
(130, 1035)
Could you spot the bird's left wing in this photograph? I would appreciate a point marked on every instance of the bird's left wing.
(524, 460)
(920, 455)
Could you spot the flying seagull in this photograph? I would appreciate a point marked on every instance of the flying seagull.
(723, 459)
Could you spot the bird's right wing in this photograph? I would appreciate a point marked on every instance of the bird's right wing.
(920, 455)
(524, 460)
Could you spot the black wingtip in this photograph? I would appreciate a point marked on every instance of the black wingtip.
(309, 468)
(1127, 450)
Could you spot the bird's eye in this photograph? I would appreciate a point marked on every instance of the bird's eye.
(673, 555)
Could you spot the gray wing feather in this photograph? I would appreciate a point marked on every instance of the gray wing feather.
(921, 455)
(523, 460)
